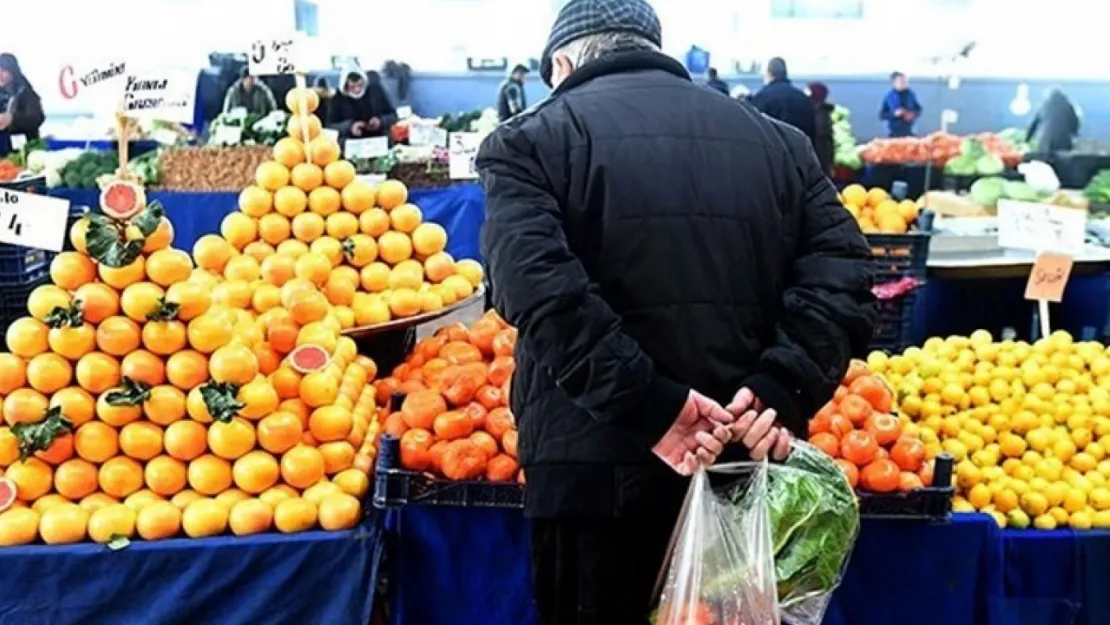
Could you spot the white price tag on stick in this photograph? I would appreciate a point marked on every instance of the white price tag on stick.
(462, 151)
(168, 95)
(372, 147)
(31, 220)
(274, 56)
(1042, 227)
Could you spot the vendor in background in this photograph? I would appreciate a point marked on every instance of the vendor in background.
(1056, 124)
(715, 83)
(362, 108)
(325, 93)
(251, 94)
(780, 99)
(510, 94)
(823, 124)
(20, 105)
(900, 107)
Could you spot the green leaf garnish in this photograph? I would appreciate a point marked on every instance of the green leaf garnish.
(221, 399)
(39, 436)
(130, 393)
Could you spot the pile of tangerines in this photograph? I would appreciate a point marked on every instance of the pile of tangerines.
(454, 421)
(867, 441)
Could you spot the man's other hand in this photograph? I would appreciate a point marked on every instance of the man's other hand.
(697, 437)
(374, 124)
(358, 129)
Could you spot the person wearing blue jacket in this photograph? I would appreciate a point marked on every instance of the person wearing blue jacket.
(900, 107)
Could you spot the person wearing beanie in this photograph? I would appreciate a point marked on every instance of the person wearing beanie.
(20, 106)
(686, 287)
(781, 100)
(251, 94)
(510, 94)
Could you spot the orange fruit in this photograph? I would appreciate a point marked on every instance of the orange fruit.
(118, 336)
(63, 524)
(339, 174)
(330, 247)
(204, 517)
(27, 337)
(298, 124)
(353, 482)
(233, 363)
(164, 337)
(438, 266)
(313, 267)
(374, 222)
(97, 372)
(49, 372)
(375, 277)
(24, 405)
(119, 476)
(308, 227)
(141, 499)
(76, 404)
(243, 267)
(185, 439)
(70, 270)
(427, 238)
(18, 526)
(71, 342)
(405, 218)
(339, 290)
(234, 294)
(32, 478)
(274, 228)
(271, 175)
(78, 234)
(404, 302)
(255, 201)
(187, 369)
(75, 478)
(250, 516)
(116, 415)
(196, 408)
(330, 423)
(212, 252)
(278, 269)
(286, 382)
(141, 440)
(289, 151)
(268, 358)
(339, 512)
(502, 468)
(185, 497)
(322, 150)
(239, 230)
(165, 406)
(308, 306)
(302, 466)
(460, 285)
(256, 472)
(160, 239)
(338, 456)
(13, 373)
(159, 520)
(166, 476)
(169, 266)
(318, 388)
(209, 332)
(191, 298)
(394, 247)
(279, 432)
(120, 277)
(294, 515)
(98, 300)
(96, 441)
(290, 201)
(908, 453)
(44, 299)
(391, 194)
(209, 475)
(326, 201)
(258, 398)
(463, 460)
(231, 439)
(232, 496)
(342, 225)
(111, 521)
(306, 177)
(880, 476)
(143, 366)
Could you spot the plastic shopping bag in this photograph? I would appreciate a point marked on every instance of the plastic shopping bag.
(769, 545)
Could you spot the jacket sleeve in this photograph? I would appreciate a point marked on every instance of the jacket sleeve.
(543, 289)
(886, 113)
(827, 309)
(914, 104)
(271, 103)
(27, 114)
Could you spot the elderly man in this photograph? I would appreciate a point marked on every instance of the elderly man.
(664, 252)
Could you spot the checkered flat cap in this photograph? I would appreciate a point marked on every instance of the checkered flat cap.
(579, 18)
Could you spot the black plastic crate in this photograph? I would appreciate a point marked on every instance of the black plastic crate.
(893, 330)
(36, 184)
(395, 487)
(18, 263)
(13, 296)
(897, 256)
(933, 503)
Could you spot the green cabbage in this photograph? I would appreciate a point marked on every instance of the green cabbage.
(1019, 190)
(987, 191)
(989, 165)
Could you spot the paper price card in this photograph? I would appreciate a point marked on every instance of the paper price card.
(372, 179)
(168, 95)
(424, 133)
(276, 56)
(463, 150)
(1049, 277)
(1041, 227)
(372, 147)
(31, 220)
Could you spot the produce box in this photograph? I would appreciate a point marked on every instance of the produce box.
(932, 503)
(898, 257)
(396, 487)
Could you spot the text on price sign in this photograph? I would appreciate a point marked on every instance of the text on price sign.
(33, 220)
(273, 57)
(1041, 227)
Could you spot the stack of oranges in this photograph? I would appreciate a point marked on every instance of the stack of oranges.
(309, 220)
(867, 441)
(151, 400)
(877, 212)
(454, 420)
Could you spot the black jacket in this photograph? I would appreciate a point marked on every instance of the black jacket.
(781, 100)
(647, 236)
(510, 98)
(344, 110)
(1055, 126)
(824, 143)
(25, 107)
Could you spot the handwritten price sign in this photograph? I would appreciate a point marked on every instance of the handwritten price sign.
(463, 150)
(33, 220)
(1041, 227)
(268, 57)
(1049, 277)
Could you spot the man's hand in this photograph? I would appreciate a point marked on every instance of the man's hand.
(358, 129)
(5, 120)
(698, 435)
(899, 112)
(756, 429)
(374, 123)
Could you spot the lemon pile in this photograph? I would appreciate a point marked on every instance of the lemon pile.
(1028, 425)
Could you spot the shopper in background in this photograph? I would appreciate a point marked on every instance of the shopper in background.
(780, 99)
(251, 94)
(20, 105)
(822, 125)
(325, 93)
(714, 82)
(654, 277)
(510, 94)
(362, 108)
(900, 107)
(1056, 125)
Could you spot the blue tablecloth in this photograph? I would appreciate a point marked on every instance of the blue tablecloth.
(474, 562)
(459, 208)
(316, 578)
(135, 148)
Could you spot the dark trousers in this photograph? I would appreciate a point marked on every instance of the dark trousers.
(599, 571)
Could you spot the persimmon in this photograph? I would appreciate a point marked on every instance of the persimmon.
(463, 460)
(435, 452)
(908, 453)
(453, 425)
(457, 386)
(858, 447)
(420, 409)
(504, 344)
(509, 443)
(485, 442)
(59, 450)
(499, 421)
(501, 369)
(394, 425)
(909, 481)
(819, 423)
(840, 393)
(856, 408)
(454, 332)
(886, 428)
(477, 414)
(415, 444)
(926, 472)
(490, 397)
(386, 387)
(880, 476)
(482, 333)
(839, 425)
(502, 468)
(874, 391)
(460, 353)
(856, 369)
(827, 443)
(851, 471)
(429, 347)
(432, 370)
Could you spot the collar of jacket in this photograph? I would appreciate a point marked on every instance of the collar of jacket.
(619, 63)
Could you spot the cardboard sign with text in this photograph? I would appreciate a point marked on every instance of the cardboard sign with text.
(275, 56)
(32, 220)
(370, 147)
(463, 150)
(168, 95)
(92, 85)
(1049, 277)
(1041, 227)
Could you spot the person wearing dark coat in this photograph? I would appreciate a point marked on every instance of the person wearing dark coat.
(678, 299)
(715, 83)
(362, 108)
(900, 108)
(510, 94)
(1056, 124)
(780, 99)
(20, 106)
(823, 143)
